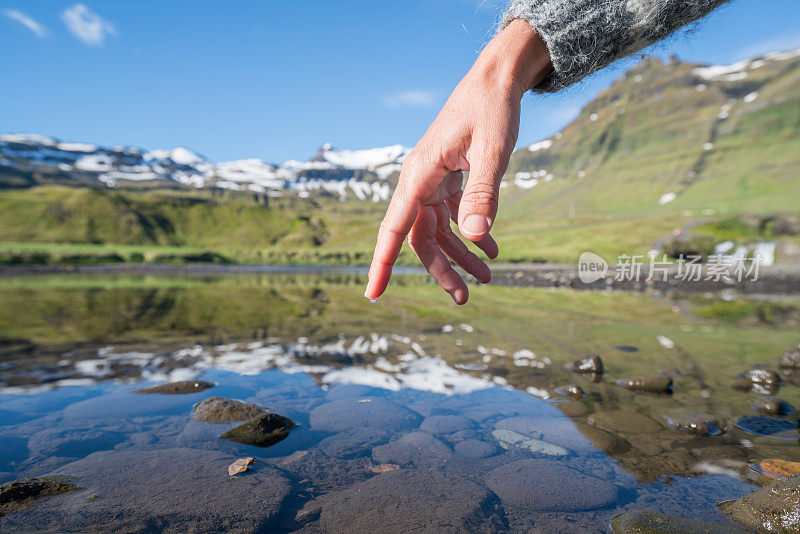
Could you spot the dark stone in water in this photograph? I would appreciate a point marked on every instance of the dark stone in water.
(21, 493)
(473, 448)
(263, 431)
(446, 424)
(412, 500)
(546, 485)
(648, 384)
(348, 414)
(572, 391)
(791, 375)
(624, 422)
(72, 442)
(356, 442)
(773, 406)
(773, 508)
(791, 359)
(222, 410)
(605, 441)
(693, 424)
(178, 388)
(771, 427)
(165, 490)
(590, 364)
(649, 522)
(417, 448)
(626, 348)
(764, 381)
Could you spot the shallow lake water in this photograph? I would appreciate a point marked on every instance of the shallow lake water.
(412, 413)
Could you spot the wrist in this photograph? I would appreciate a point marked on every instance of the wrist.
(517, 57)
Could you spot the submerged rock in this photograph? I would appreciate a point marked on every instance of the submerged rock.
(773, 406)
(791, 375)
(72, 442)
(605, 441)
(624, 422)
(348, 414)
(177, 388)
(166, 490)
(648, 384)
(446, 424)
(382, 468)
(530, 426)
(19, 494)
(475, 449)
(590, 364)
(791, 359)
(263, 431)
(692, 423)
(777, 468)
(357, 442)
(771, 427)
(412, 500)
(509, 439)
(539, 485)
(222, 410)
(773, 508)
(418, 448)
(572, 391)
(649, 522)
(764, 381)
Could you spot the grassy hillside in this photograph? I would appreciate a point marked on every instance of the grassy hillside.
(726, 151)
(661, 129)
(56, 223)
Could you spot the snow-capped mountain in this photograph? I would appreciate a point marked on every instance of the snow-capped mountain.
(363, 174)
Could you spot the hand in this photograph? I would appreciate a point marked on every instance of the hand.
(476, 131)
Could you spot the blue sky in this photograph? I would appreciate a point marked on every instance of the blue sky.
(275, 80)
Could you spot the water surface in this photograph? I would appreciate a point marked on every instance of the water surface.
(412, 413)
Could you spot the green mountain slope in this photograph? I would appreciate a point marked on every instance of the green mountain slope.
(660, 149)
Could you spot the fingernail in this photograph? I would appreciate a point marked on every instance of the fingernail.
(475, 224)
(454, 300)
(373, 301)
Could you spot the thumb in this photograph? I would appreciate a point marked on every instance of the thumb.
(478, 208)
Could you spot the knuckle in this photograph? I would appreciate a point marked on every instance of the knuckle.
(480, 194)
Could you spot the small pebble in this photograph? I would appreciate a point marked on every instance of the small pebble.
(240, 466)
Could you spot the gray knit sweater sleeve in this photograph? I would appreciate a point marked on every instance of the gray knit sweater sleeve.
(586, 35)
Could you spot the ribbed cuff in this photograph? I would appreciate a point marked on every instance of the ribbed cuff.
(584, 36)
(578, 35)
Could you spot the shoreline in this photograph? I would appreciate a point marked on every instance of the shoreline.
(777, 280)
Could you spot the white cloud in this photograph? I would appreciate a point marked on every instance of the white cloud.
(28, 22)
(86, 25)
(410, 99)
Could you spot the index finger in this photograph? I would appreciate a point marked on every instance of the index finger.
(397, 223)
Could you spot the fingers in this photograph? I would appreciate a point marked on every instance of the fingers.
(417, 180)
(456, 250)
(489, 153)
(423, 242)
(488, 245)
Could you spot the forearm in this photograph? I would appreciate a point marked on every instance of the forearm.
(583, 36)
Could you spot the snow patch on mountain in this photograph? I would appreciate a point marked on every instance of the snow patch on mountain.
(347, 173)
(738, 71)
